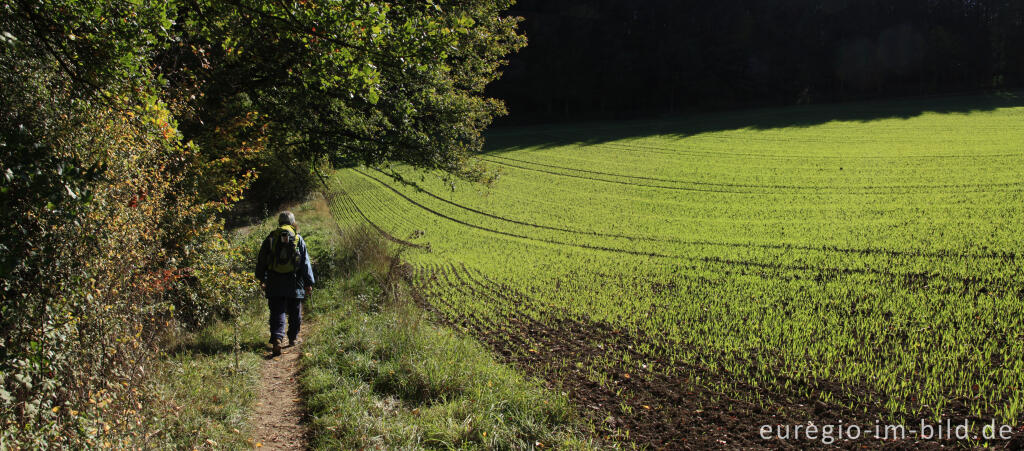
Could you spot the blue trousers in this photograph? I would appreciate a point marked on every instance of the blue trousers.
(279, 306)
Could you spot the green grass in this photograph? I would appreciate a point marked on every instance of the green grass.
(880, 250)
(201, 401)
(378, 375)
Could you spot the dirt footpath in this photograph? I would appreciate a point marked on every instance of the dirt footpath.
(279, 422)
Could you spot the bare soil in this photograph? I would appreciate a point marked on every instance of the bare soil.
(279, 422)
(659, 410)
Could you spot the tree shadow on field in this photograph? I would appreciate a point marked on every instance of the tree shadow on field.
(213, 347)
(502, 139)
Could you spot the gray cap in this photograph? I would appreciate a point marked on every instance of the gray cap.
(286, 218)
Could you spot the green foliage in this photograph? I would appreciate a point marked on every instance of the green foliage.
(352, 81)
(101, 48)
(875, 264)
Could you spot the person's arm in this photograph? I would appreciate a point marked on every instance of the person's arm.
(307, 266)
(261, 262)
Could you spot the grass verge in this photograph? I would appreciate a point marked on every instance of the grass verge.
(201, 401)
(378, 375)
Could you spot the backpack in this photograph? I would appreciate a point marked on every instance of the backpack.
(284, 251)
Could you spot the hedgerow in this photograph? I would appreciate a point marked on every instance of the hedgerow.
(102, 250)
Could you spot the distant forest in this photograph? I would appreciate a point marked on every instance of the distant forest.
(611, 58)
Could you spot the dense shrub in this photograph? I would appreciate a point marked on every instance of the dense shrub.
(104, 244)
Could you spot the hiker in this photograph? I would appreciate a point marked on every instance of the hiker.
(286, 275)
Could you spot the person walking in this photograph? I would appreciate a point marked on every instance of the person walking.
(284, 270)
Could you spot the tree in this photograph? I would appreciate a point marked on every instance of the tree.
(126, 127)
(350, 81)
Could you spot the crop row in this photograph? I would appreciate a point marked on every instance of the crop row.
(907, 299)
(717, 187)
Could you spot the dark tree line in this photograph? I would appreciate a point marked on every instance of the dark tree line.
(609, 57)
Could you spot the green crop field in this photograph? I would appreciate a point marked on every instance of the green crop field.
(866, 257)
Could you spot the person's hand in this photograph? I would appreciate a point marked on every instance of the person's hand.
(309, 290)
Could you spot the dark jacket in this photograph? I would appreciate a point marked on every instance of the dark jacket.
(285, 285)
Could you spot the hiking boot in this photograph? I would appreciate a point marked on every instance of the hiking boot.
(293, 341)
(277, 346)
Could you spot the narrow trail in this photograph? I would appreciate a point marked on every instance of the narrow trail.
(279, 416)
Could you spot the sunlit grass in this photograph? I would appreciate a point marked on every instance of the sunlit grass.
(378, 375)
(201, 398)
(881, 253)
